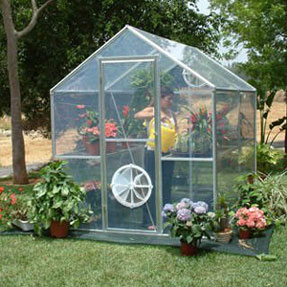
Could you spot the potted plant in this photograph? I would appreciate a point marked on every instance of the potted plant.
(88, 121)
(190, 222)
(13, 209)
(200, 130)
(249, 221)
(57, 202)
(111, 131)
(222, 228)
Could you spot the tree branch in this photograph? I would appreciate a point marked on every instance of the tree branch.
(35, 14)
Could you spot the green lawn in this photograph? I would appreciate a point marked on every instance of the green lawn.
(26, 261)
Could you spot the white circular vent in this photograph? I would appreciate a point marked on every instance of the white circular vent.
(191, 80)
(131, 186)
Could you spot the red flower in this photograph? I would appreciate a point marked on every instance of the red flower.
(89, 123)
(208, 130)
(1, 189)
(193, 118)
(0, 216)
(13, 198)
(126, 110)
(21, 189)
(80, 106)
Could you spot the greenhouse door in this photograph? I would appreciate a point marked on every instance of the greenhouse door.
(129, 176)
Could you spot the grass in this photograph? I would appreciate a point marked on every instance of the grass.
(26, 261)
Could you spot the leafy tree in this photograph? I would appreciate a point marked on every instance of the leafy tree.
(261, 28)
(77, 30)
(13, 36)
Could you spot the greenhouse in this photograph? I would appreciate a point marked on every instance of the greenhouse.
(146, 121)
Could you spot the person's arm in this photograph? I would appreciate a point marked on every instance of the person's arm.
(145, 114)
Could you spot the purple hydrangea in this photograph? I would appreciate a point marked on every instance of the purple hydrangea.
(168, 207)
(180, 205)
(183, 214)
(200, 210)
(187, 201)
(200, 204)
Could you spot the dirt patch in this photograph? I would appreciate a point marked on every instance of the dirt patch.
(277, 111)
(37, 148)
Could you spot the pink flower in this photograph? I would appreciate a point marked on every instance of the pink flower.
(251, 218)
(241, 212)
(250, 223)
(89, 122)
(21, 189)
(241, 222)
(80, 106)
(261, 224)
(82, 115)
(96, 131)
(111, 130)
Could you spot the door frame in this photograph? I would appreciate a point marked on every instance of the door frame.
(154, 60)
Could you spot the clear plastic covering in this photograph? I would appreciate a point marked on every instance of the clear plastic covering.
(235, 137)
(119, 101)
(199, 63)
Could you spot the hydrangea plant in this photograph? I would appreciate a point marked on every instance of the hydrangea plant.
(188, 220)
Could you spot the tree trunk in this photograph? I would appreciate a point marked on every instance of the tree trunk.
(285, 138)
(18, 148)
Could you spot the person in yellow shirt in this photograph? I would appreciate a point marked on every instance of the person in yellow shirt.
(168, 136)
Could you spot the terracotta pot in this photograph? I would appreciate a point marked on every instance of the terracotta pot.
(92, 148)
(59, 229)
(111, 147)
(244, 234)
(187, 249)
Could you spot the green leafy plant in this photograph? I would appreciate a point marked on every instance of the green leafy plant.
(221, 219)
(188, 220)
(57, 198)
(274, 192)
(268, 160)
(249, 195)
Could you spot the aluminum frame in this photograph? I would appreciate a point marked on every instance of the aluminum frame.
(214, 150)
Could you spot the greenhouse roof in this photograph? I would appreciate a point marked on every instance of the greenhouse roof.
(131, 41)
